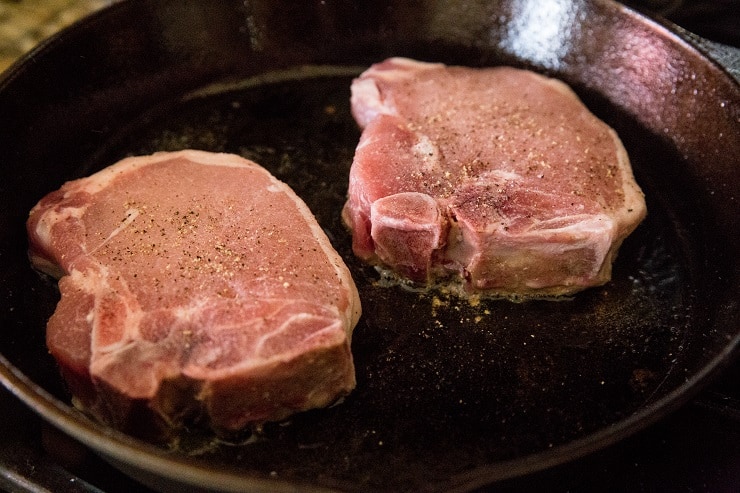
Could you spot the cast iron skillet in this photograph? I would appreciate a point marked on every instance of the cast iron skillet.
(450, 396)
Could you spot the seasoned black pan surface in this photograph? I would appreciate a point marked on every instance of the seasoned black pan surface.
(451, 394)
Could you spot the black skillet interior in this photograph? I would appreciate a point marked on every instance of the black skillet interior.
(450, 394)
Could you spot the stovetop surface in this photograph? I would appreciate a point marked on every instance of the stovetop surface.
(695, 449)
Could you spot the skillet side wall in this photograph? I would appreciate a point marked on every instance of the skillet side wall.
(626, 68)
(694, 107)
(58, 114)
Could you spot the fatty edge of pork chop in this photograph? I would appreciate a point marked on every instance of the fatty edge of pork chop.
(194, 286)
(493, 181)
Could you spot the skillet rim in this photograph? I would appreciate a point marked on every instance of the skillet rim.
(119, 446)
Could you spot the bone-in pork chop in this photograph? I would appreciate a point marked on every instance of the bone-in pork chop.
(498, 180)
(193, 286)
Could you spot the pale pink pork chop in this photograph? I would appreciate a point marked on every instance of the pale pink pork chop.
(193, 286)
(496, 180)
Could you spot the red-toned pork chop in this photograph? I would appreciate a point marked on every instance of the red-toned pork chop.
(193, 285)
(499, 179)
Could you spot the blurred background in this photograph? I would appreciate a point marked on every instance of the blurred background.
(24, 23)
(716, 20)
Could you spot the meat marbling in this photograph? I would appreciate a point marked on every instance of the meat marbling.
(193, 286)
(498, 180)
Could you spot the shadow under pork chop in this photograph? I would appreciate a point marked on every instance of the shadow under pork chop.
(498, 180)
(193, 285)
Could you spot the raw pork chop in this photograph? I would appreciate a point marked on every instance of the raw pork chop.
(193, 285)
(499, 178)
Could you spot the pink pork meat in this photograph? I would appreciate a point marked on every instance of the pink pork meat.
(194, 286)
(497, 181)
